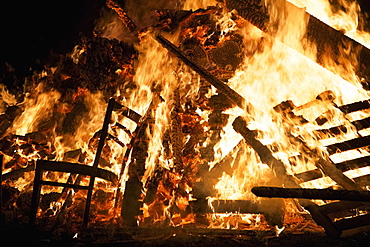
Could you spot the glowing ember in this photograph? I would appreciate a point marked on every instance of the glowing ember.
(185, 148)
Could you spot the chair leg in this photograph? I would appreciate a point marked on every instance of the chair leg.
(35, 195)
(103, 136)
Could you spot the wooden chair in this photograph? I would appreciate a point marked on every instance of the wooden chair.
(91, 171)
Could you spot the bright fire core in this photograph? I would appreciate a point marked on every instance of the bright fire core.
(271, 69)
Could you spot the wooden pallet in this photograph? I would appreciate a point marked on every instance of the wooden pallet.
(346, 215)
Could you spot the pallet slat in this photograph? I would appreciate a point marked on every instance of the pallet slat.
(349, 145)
(359, 221)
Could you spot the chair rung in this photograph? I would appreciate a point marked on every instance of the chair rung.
(127, 112)
(114, 138)
(73, 186)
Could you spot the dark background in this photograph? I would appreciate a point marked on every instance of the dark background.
(31, 30)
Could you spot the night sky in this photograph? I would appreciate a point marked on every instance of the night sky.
(31, 29)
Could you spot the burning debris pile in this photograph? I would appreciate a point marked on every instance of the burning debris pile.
(205, 103)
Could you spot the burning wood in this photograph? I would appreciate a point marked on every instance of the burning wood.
(264, 153)
(180, 140)
(324, 194)
(122, 14)
(229, 93)
(327, 39)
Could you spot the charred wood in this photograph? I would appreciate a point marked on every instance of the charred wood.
(363, 181)
(100, 61)
(327, 97)
(357, 106)
(348, 145)
(176, 133)
(127, 112)
(152, 185)
(324, 194)
(114, 138)
(309, 175)
(194, 51)
(132, 202)
(321, 219)
(18, 173)
(227, 55)
(339, 206)
(322, 161)
(196, 132)
(73, 118)
(343, 166)
(125, 129)
(355, 222)
(264, 152)
(118, 8)
(286, 108)
(169, 20)
(329, 168)
(236, 98)
(337, 130)
(73, 155)
(216, 120)
(334, 173)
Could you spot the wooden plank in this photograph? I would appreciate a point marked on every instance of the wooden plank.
(343, 166)
(363, 180)
(338, 206)
(350, 223)
(349, 145)
(309, 175)
(278, 168)
(337, 130)
(265, 154)
(356, 106)
(353, 164)
(324, 194)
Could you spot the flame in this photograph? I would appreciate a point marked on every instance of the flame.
(279, 73)
(38, 106)
(270, 73)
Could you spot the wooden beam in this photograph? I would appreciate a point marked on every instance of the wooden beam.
(263, 152)
(324, 194)
(236, 98)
